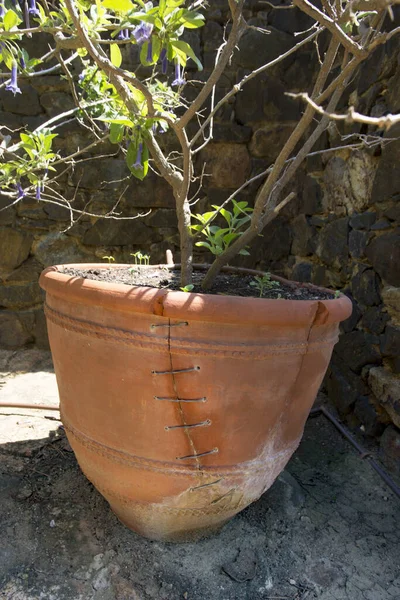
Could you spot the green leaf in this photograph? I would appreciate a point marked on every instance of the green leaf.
(192, 20)
(205, 245)
(116, 133)
(244, 252)
(11, 19)
(118, 5)
(115, 55)
(187, 50)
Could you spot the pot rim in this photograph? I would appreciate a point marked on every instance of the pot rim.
(192, 305)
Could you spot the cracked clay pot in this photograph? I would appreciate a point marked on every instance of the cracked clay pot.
(182, 408)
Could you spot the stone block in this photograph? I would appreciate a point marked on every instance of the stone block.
(333, 242)
(231, 132)
(365, 287)
(58, 248)
(368, 416)
(387, 178)
(390, 341)
(13, 331)
(384, 254)
(302, 272)
(268, 141)
(374, 320)
(15, 246)
(20, 295)
(105, 173)
(390, 448)
(391, 299)
(362, 220)
(7, 215)
(228, 164)
(312, 197)
(162, 217)
(358, 242)
(303, 236)
(343, 387)
(351, 323)
(386, 387)
(27, 103)
(257, 49)
(56, 103)
(118, 233)
(381, 225)
(357, 349)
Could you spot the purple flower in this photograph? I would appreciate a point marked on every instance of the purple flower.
(149, 57)
(123, 34)
(13, 85)
(21, 193)
(22, 62)
(142, 32)
(138, 163)
(38, 191)
(33, 9)
(178, 81)
(2, 10)
(81, 77)
(164, 60)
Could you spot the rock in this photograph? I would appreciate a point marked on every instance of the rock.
(117, 233)
(365, 287)
(340, 389)
(350, 323)
(393, 213)
(55, 103)
(303, 236)
(312, 197)
(243, 568)
(387, 178)
(40, 330)
(229, 165)
(357, 349)
(231, 132)
(357, 243)
(263, 99)
(384, 254)
(273, 245)
(302, 272)
(58, 248)
(381, 225)
(289, 21)
(391, 298)
(362, 220)
(374, 320)
(333, 242)
(20, 295)
(15, 246)
(386, 388)
(13, 332)
(255, 50)
(268, 141)
(390, 448)
(162, 217)
(152, 192)
(26, 103)
(390, 341)
(366, 413)
(7, 215)
(105, 173)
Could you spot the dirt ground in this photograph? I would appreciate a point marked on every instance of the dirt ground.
(328, 528)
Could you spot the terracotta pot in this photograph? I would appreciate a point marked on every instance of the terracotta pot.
(183, 408)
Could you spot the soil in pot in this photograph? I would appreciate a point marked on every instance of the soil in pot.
(226, 284)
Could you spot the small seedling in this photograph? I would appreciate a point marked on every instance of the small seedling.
(337, 294)
(264, 283)
(110, 259)
(141, 259)
(187, 288)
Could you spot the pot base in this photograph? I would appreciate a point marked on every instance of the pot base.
(163, 532)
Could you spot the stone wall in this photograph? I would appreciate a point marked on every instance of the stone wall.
(342, 230)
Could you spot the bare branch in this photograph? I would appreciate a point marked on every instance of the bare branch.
(237, 30)
(352, 116)
(331, 25)
(238, 87)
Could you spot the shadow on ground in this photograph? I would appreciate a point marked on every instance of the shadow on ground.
(327, 529)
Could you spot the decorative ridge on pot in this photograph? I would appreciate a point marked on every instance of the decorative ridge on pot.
(193, 305)
(151, 381)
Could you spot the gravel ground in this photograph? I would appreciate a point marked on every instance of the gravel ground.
(327, 529)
